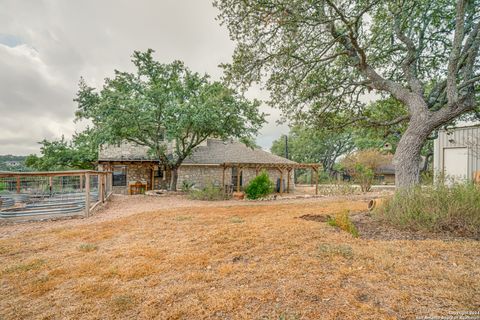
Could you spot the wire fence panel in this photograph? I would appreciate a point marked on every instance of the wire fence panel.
(50, 194)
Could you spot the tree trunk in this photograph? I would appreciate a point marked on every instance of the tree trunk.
(174, 179)
(407, 156)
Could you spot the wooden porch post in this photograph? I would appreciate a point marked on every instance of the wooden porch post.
(87, 194)
(50, 184)
(223, 180)
(101, 187)
(316, 181)
(153, 178)
(18, 184)
(281, 181)
(238, 178)
(288, 180)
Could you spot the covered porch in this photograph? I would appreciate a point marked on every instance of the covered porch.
(284, 170)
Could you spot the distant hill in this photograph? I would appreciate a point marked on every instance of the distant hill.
(12, 163)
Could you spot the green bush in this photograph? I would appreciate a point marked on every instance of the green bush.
(259, 187)
(364, 177)
(187, 186)
(440, 208)
(210, 193)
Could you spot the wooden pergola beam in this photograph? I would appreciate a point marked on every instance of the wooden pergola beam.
(51, 173)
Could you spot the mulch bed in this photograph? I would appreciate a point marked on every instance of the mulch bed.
(372, 229)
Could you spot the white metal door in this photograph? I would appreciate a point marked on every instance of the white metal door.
(455, 164)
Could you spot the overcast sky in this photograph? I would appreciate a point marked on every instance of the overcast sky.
(47, 45)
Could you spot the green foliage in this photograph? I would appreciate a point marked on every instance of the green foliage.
(167, 108)
(440, 208)
(342, 220)
(316, 71)
(364, 176)
(5, 167)
(260, 186)
(314, 145)
(187, 186)
(209, 193)
(321, 59)
(363, 164)
(79, 153)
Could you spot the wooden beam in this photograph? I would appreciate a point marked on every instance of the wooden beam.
(49, 173)
(316, 181)
(50, 184)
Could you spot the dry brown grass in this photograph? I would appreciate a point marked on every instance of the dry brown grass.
(230, 262)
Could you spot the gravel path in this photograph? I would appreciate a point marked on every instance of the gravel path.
(121, 206)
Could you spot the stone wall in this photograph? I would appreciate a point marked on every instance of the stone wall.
(128, 151)
(140, 172)
(199, 175)
(203, 175)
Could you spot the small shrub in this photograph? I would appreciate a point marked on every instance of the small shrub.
(363, 164)
(364, 177)
(210, 193)
(440, 208)
(88, 247)
(342, 220)
(187, 186)
(259, 187)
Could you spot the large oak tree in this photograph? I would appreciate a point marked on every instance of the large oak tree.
(167, 108)
(320, 57)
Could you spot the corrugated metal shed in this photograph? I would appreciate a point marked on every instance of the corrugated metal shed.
(462, 137)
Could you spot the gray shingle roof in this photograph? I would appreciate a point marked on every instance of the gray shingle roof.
(214, 151)
(218, 151)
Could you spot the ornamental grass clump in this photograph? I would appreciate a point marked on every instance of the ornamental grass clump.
(452, 209)
(261, 186)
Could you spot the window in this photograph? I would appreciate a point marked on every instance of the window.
(158, 173)
(234, 177)
(119, 176)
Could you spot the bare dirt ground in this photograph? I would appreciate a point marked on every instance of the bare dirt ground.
(171, 258)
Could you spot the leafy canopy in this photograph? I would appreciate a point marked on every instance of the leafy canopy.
(79, 153)
(321, 58)
(167, 108)
(312, 145)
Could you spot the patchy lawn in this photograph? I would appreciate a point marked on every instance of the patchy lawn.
(224, 261)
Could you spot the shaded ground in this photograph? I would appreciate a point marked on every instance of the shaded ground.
(227, 260)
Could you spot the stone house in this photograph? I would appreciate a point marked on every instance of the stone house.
(216, 162)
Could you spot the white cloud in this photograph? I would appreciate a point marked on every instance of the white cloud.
(47, 45)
